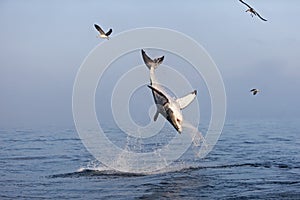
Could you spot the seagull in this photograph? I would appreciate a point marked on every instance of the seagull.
(102, 33)
(254, 91)
(169, 107)
(252, 11)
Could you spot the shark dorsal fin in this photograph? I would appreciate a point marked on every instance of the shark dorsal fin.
(160, 98)
(156, 116)
(186, 100)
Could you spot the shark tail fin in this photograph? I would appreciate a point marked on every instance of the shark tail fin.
(151, 63)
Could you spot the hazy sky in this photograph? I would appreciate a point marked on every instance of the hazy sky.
(43, 44)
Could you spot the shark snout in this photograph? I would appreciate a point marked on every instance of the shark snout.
(176, 122)
(179, 129)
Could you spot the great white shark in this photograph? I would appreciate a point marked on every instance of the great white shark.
(167, 106)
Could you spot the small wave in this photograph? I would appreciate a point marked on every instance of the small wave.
(27, 158)
(256, 165)
(179, 168)
(86, 172)
(283, 182)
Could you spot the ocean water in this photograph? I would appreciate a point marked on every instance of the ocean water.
(253, 159)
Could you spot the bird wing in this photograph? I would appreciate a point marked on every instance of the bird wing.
(108, 32)
(186, 100)
(246, 4)
(260, 16)
(147, 60)
(99, 29)
(252, 90)
(159, 97)
(255, 92)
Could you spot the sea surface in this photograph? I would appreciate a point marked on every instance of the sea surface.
(253, 159)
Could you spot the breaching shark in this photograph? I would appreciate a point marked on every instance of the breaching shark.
(167, 106)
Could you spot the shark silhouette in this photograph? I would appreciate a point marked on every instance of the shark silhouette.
(166, 105)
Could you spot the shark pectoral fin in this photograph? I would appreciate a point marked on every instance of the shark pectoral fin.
(186, 100)
(156, 116)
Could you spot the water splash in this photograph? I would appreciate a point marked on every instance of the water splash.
(94, 165)
(95, 168)
(160, 159)
(196, 136)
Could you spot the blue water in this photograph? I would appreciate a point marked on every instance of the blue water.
(252, 160)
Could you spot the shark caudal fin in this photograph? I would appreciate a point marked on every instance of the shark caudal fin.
(151, 63)
(186, 100)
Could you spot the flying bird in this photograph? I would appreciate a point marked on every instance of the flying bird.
(252, 11)
(254, 91)
(102, 33)
(169, 107)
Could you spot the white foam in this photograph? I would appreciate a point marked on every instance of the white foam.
(123, 162)
(196, 136)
